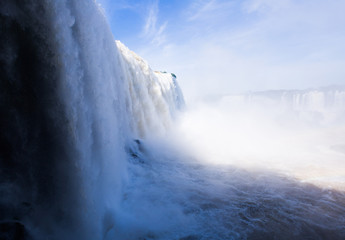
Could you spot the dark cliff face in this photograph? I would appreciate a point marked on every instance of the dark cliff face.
(38, 177)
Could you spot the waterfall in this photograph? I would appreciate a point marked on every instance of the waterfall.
(71, 98)
(152, 98)
(323, 106)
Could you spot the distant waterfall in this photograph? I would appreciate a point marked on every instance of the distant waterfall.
(70, 100)
(316, 100)
(322, 106)
(152, 97)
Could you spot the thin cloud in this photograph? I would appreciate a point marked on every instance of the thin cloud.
(253, 6)
(152, 30)
(207, 9)
(114, 6)
(151, 20)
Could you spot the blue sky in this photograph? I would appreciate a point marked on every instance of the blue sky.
(233, 46)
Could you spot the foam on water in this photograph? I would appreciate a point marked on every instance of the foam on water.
(172, 196)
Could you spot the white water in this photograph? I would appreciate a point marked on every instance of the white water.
(222, 173)
(243, 167)
(152, 98)
(111, 97)
(225, 171)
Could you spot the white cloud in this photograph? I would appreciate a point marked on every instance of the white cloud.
(112, 6)
(253, 6)
(151, 20)
(207, 10)
(152, 30)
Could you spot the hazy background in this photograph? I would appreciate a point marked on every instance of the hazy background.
(228, 46)
(262, 145)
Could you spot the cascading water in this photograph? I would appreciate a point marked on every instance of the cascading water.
(69, 104)
(153, 98)
(86, 151)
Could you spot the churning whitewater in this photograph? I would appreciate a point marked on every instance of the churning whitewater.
(71, 101)
(96, 145)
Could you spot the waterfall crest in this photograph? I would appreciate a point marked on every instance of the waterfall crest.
(153, 97)
(70, 100)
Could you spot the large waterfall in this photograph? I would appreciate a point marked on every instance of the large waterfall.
(152, 98)
(93, 144)
(71, 99)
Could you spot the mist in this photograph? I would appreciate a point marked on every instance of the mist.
(262, 165)
(296, 133)
(258, 151)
